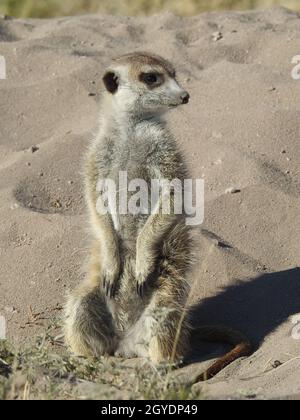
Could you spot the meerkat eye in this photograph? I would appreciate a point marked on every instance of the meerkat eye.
(151, 79)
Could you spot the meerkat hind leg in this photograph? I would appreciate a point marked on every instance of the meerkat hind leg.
(89, 325)
(169, 340)
(170, 334)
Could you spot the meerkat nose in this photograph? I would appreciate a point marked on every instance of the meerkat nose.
(185, 98)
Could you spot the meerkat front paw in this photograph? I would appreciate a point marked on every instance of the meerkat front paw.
(109, 285)
(110, 278)
(145, 276)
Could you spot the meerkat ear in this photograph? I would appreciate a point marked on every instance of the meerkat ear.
(111, 81)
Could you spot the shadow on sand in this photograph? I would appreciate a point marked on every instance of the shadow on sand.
(256, 307)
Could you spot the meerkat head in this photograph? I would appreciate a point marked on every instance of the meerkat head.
(144, 84)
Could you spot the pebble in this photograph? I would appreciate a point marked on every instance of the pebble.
(221, 244)
(251, 396)
(216, 36)
(10, 309)
(217, 162)
(14, 206)
(232, 190)
(34, 149)
(276, 364)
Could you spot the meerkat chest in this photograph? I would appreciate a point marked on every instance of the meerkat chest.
(133, 160)
(137, 151)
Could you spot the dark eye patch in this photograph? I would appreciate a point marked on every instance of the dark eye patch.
(151, 79)
(111, 82)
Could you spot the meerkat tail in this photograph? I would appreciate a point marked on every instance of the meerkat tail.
(242, 347)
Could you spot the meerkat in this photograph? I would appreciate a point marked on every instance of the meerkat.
(132, 302)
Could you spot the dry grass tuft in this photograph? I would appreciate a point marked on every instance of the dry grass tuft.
(45, 371)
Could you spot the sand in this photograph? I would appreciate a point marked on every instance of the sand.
(240, 131)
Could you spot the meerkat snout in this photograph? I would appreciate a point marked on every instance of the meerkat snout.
(185, 98)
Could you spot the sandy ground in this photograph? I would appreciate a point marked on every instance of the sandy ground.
(241, 130)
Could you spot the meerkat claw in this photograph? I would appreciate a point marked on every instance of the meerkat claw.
(140, 289)
(109, 288)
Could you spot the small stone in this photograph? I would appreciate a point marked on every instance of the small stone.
(216, 36)
(232, 190)
(91, 94)
(251, 396)
(217, 162)
(10, 309)
(14, 206)
(57, 204)
(34, 149)
(276, 364)
(28, 164)
(222, 244)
